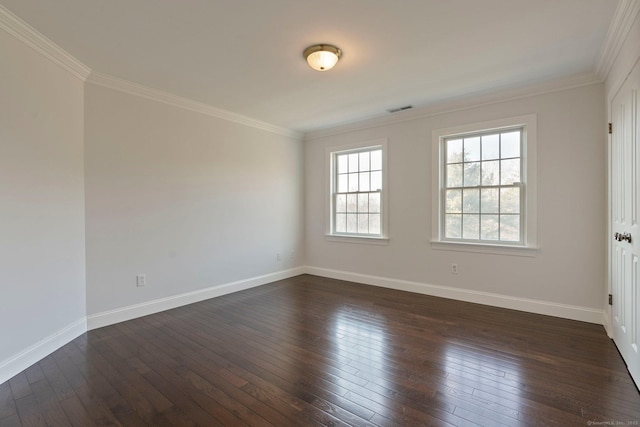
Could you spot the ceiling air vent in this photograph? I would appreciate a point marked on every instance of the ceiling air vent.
(395, 110)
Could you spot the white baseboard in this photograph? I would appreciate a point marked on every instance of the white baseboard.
(584, 314)
(21, 361)
(122, 314)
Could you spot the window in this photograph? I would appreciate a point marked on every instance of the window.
(482, 187)
(357, 195)
(485, 195)
(356, 192)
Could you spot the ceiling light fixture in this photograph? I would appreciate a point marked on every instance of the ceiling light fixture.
(322, 57)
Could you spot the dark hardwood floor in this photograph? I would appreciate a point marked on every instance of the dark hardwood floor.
(315, 351)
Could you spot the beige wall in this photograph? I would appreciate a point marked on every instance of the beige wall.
(190, 200)
(570, 266)
(42, 261)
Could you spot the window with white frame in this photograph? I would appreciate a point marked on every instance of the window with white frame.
(357, 192)
(485, 195)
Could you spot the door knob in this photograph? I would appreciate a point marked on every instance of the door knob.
(622, 236)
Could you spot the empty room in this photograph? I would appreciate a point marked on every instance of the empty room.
(319, 213)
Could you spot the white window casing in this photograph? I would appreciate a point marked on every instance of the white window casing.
(352, 173)
(446, 191)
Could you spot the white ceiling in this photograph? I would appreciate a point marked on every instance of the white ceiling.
(245, 56)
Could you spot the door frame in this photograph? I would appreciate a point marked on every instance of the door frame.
(611, 95)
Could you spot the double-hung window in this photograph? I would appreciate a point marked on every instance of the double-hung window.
(357, 192)
(483, 183)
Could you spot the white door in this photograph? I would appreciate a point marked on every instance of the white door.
(625, 230)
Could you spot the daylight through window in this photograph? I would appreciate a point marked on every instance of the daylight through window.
(357, 192)
(483, 187)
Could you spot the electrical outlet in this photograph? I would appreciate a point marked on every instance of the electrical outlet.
(141, 280)
(278, 257)
(454, 268)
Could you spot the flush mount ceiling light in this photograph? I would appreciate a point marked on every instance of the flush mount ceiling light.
(322, 57)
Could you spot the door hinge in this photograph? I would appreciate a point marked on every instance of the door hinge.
(610, 128)
(610, 299)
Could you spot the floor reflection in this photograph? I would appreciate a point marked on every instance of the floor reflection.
(483, 377)
(362, 345)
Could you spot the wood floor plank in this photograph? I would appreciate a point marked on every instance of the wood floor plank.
(311, 351)
(48, 403)
(7, 403)
(11, 421)
(76, 413)
(29, 411)
(34, 373)
(20, 386)
(212, 358)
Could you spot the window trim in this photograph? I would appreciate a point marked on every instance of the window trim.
(529, 185)
(329, 199)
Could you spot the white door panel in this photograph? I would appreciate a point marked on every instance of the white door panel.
(625, 250)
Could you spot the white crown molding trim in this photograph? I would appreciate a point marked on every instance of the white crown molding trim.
(122, 314)
(565, 311)
(136, 89)
(461, 104)
(21, 361)
(15, 26)
(34, 39)
(621, 24)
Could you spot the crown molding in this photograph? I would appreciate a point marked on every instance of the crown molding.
(34, 39)
(460, 104)
(136, 89)
(31, 37)
(623, 18)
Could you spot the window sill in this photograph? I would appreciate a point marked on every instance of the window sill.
(524, 251)
(357, 239)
